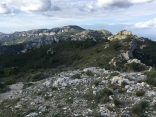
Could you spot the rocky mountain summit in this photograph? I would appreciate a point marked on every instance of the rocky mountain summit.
(124, 34)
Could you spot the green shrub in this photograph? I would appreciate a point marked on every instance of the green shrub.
(116, 46)
(97, 50)
(30, 110)
(136, 67)
(10, 81)
(1, 72)
(140, 93)
(100, 97)
(54, 88)
(154, 106)
(123, 84)
(114, 74)
(76, 57)
(3, 88)
(151, 77)
(89, 73)
(78, 76)
(88, 43)
(96, 83)
(37, 77)
(11, 71)
(27, 85)
(116, 101)
(139, 108)
(120, 90)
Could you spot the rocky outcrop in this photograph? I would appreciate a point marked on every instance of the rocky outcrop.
(93, 34)
(133, 45)
(129, 54)
(124, 34)
(51, 51)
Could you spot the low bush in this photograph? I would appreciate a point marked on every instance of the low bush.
(76, 76)
(116, 46)
(27, 85)
(10, 71)
(140, 93)
(10, 81)
(140, 108)
(116, 101)
(136, 67)
(100, 97)
(3, 88)
(151, 77)
(121, 90)
(123, 84)
(114, 74)
(36, 77)
(89, 73)
(96, 83)
(76, 57)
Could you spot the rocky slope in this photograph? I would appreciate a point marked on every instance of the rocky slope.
(40, 37)
(80, 93)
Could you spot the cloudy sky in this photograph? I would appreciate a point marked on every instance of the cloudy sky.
(138, 16)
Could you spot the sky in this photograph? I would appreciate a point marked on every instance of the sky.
(138, 16)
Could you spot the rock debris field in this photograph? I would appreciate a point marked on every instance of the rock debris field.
(89, 92)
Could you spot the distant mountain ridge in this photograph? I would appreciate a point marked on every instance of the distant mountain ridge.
(61, 33)
(71, 45)
(37, 32)
(39, 37)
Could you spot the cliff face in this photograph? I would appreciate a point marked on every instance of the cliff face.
(129, 54)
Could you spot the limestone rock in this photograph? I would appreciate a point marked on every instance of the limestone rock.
(124, 34)
(118, 80)
(129, 54)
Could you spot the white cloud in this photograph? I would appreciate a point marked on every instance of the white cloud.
(113, 3)
(36, 5)
(87, 8)
(141, 1)
(119, 3)
(4, 9)
(148, 24)
(30, 14)
(55, 8)
(30, 5)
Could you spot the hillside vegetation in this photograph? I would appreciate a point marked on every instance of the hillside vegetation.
(79, 54)
(113, 76)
